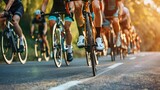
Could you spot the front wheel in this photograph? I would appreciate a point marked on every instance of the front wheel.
(6, 48)
(88, 59)
(23, 55)
(56, 46)
(37, 50)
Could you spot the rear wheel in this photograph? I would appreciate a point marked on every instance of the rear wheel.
(23, 55)
(90, 44)
(46, 54)
(56, 46)
(6, 48)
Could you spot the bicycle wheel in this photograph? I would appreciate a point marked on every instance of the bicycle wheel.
(88, 59)
(56, 46)
(23, 55)
(90, 44)
(112, 45)
(46, 57)
(64, 48)
(6, 48)
(37, 49)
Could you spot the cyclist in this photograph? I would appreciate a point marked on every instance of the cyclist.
(16, 8)
(125, 24)
(59, 6)
(95, 5)
(112, 10)
(42, 26)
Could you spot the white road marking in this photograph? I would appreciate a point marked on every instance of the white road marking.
(132, 58)
(115, 65)
(69, 84)
(66, 85)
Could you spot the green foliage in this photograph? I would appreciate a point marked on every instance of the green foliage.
(146, 20)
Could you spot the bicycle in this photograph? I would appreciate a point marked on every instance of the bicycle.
(90, 50)
(111, 37)
(10, 42)
(59, 49)
(40, 49)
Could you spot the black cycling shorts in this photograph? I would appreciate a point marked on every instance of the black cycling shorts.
(17, 10)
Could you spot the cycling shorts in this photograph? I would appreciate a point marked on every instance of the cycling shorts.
(67, 18)
(107, 22)
(17, 10)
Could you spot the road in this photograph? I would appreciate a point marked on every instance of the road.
(137, 72)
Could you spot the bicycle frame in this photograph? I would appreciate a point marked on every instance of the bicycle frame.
(11, 34)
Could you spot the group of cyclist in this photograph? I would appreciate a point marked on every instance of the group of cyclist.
(118, 14)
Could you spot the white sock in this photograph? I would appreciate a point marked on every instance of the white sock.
(69, 48)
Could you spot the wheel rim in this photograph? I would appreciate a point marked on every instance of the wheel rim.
(23, 56)
(57, 50)
(6, 48)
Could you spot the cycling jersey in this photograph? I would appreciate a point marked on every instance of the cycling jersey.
(58, 6)
(111, 7)
(16, 8)
(125, 22)
(15, 3)
(40, 24)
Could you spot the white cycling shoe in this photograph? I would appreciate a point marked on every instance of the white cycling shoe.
(81, 42)
(100, 45)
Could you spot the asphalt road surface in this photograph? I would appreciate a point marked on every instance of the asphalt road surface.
(140, 71)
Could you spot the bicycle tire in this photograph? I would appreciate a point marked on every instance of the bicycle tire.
(56, 46)
(5, 47)
(37, 50)
(23, 55)
(65, 52)
(88, 59)
(90, 43)
(112, 45)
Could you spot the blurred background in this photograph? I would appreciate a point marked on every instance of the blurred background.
(145, 16)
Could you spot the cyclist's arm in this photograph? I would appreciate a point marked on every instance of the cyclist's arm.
(120, 6)
(32, 29)
(44, 5)
(9, 4)
(71, 5)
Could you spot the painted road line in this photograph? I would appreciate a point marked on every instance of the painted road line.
(132, 58)
(66, 85)
(115, 65)
(69, 84)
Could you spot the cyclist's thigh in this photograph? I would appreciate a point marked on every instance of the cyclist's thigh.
(52, 20)
(96, 5)
(97, 12)
(68, 21)
(78, 12)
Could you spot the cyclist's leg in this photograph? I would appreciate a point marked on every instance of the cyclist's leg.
(80, 21)
(52, 21)
(17, 14)
(2, 20)
(68, 21)
(105, 32)
(98, 23)
(45, 41)
(116, 27)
